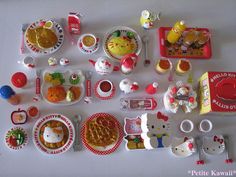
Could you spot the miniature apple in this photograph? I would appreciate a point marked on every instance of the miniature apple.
(19, 117)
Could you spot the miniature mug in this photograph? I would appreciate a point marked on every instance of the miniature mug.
(105, 88)
(186, 126)
(88, 41)
(28, 62)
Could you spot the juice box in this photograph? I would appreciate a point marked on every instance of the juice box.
(218, 92)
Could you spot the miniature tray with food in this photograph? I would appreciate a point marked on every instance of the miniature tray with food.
(44, 37)
(101, 133)
(63, 87)
(195, 43)
(120, 41)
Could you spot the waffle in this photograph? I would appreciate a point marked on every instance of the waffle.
(101, 132)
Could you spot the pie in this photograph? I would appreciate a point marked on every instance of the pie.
(101, 131)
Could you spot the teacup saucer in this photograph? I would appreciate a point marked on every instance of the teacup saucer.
(87, 51)
(102, 97)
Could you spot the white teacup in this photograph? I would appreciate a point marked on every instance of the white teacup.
(105, 88)
(88, 41)
(28, 62)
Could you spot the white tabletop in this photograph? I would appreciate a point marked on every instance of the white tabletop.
(98, 17)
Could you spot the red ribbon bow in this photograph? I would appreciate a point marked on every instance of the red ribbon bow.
(162, 116)
(218, 139)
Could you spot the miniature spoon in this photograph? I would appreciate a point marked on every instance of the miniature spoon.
(171, 75)
(76, 120)
(228, 160)
(145, 40)
(190, 77)
(200, 160)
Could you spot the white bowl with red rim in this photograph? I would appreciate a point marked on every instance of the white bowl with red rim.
(53, 117)
(103, 150)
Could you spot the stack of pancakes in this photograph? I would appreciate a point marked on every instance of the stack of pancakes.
(41, 37)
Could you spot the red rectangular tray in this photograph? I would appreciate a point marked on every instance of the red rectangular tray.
(202, 53)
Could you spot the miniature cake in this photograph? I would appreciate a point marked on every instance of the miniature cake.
(183, 66)
(180, 95)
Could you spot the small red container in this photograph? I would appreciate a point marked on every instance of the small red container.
(19, 79)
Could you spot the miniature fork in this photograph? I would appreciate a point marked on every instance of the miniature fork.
(200, 160)
(88, 97)
(76, 120)
(145, 40)
(22, 45)
(228, 160)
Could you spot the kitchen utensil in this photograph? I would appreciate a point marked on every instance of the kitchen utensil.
(77, 120)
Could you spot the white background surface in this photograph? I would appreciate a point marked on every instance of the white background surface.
(100, 16)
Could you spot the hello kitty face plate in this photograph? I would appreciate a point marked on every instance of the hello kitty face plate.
(214, 145)
(183, 147)
(53, 134)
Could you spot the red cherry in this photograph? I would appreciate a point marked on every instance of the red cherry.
(174, 90)
(171, 100)
(191, 99)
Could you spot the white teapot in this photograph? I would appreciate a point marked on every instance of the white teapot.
(104, 66)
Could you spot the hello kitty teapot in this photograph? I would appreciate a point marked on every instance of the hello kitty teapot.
(104, 66)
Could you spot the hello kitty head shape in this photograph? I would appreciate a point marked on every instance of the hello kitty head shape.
(183, 147)
(155, 123)
(214, 145)
(53, 135)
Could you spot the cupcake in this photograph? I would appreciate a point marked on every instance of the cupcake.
(74, 79)
(163, 66)
(183, 66)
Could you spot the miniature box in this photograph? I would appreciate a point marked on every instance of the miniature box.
(218, 92)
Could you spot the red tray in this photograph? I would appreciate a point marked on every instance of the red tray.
(201, 53)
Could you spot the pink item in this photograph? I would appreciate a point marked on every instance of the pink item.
(152, 88)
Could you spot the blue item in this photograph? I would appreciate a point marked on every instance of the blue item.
(160, 144)
(6, 92)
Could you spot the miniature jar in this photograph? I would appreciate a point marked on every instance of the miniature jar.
(8, 94)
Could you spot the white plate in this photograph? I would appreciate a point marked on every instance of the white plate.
(123, 30)
(57, 117)
(213, 145)
(38, 51)
(66, 73)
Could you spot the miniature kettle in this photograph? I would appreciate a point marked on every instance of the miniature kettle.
(104, 66)
(128, 63)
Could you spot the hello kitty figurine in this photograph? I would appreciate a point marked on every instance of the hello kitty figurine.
(155, 130)
(104, 66)
(128, 86)
(214, 145)
(53, 135)
(183, 147)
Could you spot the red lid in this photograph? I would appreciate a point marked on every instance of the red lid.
(128, 63)
(19, 79)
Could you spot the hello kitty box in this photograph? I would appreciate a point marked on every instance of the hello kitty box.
(218, 92)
